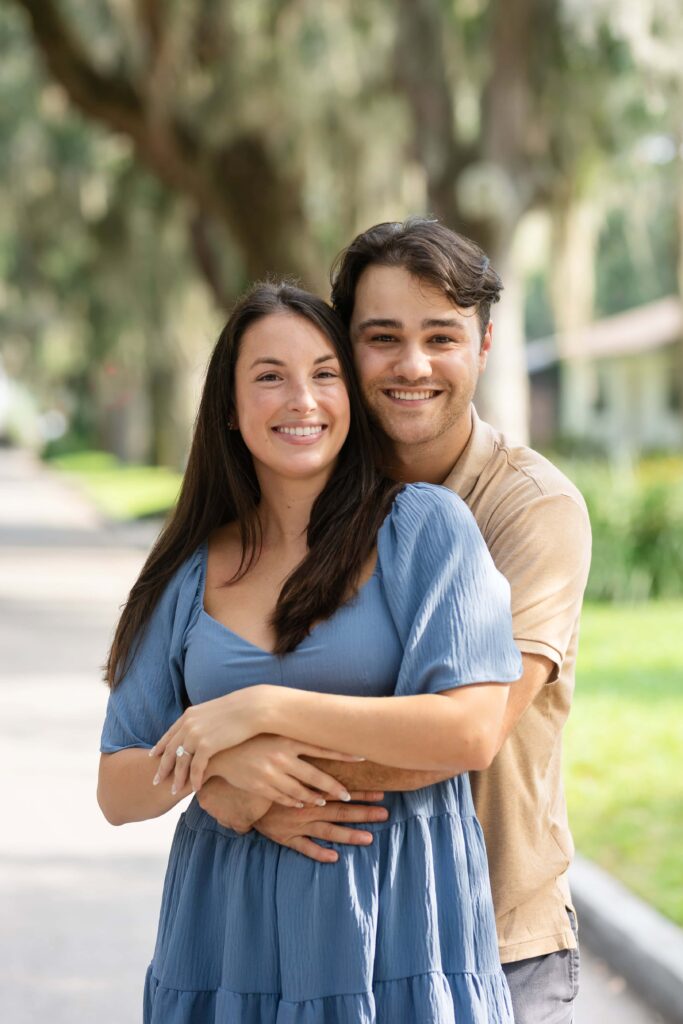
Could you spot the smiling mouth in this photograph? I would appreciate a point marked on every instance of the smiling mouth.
(312, 431)
(398, 394)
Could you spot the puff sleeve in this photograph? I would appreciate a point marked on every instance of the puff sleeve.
(450, 605)
(151, 695)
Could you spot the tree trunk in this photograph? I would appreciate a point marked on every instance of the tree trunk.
(503, 393)
(572, 279)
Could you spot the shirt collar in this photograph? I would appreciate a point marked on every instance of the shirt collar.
(472, 460)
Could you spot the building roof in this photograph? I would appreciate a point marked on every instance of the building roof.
(638, 330)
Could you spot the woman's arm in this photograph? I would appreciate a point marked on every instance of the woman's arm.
(431, 731)
(267, 767)
(124, 788)
(369, 775)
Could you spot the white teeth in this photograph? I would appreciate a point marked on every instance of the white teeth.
(412, 396)
(300, 431)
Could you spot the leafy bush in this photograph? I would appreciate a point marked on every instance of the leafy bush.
(637, 520)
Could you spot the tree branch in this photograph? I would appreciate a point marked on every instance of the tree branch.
(241, 185)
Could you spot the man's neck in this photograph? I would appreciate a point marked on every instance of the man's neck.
(430, 462)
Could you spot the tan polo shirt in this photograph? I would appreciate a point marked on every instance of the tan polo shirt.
(535, 524)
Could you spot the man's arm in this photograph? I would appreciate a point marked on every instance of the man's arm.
(370, 775)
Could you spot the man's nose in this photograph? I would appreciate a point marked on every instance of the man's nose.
(412, 363)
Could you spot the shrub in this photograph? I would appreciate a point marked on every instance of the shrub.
(637, 520)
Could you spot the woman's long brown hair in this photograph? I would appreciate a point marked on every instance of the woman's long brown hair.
(220, 486)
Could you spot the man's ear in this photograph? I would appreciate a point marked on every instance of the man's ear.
(485, 346)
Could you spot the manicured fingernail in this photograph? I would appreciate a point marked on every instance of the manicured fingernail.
(359, 758)
(150, 753)
(174, 789)
(155, 780)
(344, 796)
(299, 805)
(321, 803)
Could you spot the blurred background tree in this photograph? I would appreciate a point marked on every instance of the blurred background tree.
(161, 155)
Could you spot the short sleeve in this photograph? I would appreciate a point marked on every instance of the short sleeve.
(151, 695)
(450, 605)
(543, 547)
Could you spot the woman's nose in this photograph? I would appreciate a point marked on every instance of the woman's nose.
(301, 398)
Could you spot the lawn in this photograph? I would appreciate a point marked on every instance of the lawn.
(624, 748)
(121, 491)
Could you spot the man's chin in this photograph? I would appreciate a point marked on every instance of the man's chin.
(409, 435)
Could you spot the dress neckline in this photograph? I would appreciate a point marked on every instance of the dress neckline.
(204, 549)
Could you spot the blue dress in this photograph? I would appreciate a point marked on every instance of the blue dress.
(399, 932)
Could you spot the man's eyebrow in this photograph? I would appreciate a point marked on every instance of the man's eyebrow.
(445, 322)
(379, 322)
(397, 325)
(272, 361)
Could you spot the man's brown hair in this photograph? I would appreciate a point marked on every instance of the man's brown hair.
(427, 249)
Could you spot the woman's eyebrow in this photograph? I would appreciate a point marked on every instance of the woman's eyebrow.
(272, 361)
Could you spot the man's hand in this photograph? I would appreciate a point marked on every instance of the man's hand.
(232, 807)
(297, 828)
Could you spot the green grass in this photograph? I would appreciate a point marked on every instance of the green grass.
(624, 748)
(119, 490)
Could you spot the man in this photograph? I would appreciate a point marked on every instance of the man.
(416, 298)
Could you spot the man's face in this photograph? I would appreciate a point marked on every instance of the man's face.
(418, 356)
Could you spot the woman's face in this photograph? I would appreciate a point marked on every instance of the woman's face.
(291, 402)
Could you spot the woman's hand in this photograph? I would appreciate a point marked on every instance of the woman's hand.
(271, 767)
(206, 728)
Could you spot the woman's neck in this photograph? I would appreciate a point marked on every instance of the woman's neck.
(285, 510)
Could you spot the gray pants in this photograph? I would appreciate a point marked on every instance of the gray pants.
(544, 988)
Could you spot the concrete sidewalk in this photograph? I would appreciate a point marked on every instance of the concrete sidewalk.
(80, 898)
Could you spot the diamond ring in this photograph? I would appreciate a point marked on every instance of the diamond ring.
(180, 751)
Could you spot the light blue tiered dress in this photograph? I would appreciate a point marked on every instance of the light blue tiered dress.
(399, 932)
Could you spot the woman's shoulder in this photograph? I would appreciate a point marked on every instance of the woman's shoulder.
(183, 589)
(427, 525)
(422, 504)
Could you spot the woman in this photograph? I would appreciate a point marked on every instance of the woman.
(296, 593)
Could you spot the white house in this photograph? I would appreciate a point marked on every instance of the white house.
(617, 384)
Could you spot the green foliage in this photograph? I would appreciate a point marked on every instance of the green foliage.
(623, 748)
(637, 250)
(121, 491)
(637, 521)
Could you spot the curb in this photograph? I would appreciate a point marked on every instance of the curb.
(636, 941)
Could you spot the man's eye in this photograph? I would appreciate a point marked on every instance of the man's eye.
(442, 339)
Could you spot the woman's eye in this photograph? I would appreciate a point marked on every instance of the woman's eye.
(268, 377)
(383, 337)
(327, 375)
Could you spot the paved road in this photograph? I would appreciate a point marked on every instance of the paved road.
(80, 897)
